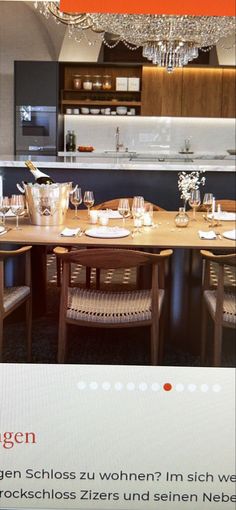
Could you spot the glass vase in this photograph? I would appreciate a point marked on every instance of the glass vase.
(181, 219)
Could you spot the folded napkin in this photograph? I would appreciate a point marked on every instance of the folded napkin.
(70, 232)
(207, 234)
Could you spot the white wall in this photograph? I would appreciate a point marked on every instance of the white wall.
(23, 36)
(153, 134)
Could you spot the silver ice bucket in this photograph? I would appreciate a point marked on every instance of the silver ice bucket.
(47, 204)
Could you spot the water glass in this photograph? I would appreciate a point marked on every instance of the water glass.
(207, 201)
(148, 214)
(138, 211)
(17, 207)
(88, 200)
(124, 208)
(4, 208)
(194, 201)
(76, 200)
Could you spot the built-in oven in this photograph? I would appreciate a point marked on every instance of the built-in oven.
(36, 130)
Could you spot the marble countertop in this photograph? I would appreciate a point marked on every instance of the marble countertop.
(124, 161)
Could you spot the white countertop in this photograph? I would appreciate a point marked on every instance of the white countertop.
(123, 161)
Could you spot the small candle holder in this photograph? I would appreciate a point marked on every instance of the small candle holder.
(103, 219)
(93, 217)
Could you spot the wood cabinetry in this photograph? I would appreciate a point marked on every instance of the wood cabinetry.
(188, 92)
(228, 93)
(71, 97)
(201, 94)
(161, 92)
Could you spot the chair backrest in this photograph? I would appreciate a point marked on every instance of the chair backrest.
(6, 254)
(227, 205)
(111, 258)
(113, 204)
(221, 261)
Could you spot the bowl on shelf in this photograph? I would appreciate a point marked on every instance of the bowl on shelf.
(84, 110)
(94, 111)
(232, 152)
(121, 110)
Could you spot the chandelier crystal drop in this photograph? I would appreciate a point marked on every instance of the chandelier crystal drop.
(167, 41)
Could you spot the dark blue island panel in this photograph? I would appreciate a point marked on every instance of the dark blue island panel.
(157, 186)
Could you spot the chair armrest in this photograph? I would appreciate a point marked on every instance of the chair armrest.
(229, 259)
(14, 253)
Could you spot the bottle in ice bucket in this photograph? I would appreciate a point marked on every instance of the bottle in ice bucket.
(40, 177)
(70, 141)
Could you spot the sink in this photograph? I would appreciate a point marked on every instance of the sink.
(120, 153)
(165, 159)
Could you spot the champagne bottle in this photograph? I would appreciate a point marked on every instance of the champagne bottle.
(40, 177)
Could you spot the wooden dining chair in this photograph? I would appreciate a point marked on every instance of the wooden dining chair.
(219, 302)
(227, 205)
(13, 297)
(107, 309)
(113, 204)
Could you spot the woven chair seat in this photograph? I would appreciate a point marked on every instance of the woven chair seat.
(110, 307)
(229, 306)
(13, 295)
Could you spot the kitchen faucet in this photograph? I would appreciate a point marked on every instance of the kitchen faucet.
(118, 144)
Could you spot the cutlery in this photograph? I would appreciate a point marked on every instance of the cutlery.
(218, 234)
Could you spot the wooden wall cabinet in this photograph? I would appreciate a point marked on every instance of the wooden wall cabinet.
(161, 92)
(228, 93)
(201, 95)
(188, 92)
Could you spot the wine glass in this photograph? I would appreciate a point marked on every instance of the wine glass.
(207, 201)
(88, 200)
(4, 208)
(124, 208)
(76, 200)
(17, 207)
(138, 211)
(194, 201)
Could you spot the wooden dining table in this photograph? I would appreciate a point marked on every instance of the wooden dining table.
(162, 234)
(185, 277)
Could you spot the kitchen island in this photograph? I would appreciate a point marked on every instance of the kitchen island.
(111, 174)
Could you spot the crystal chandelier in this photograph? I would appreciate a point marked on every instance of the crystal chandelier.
(167, 41)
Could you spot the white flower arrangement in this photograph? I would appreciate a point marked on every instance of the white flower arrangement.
(188, 182)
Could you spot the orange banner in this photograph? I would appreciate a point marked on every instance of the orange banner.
(175, 7)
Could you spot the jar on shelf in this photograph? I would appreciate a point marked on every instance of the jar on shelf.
(87, 82)
(97, 82)
(181, 219)
(106, 82)
(77, 81)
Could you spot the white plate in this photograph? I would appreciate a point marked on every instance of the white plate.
(230, 234)
(2, 229)
(112, 215)
(107, 232)
(223, 216)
